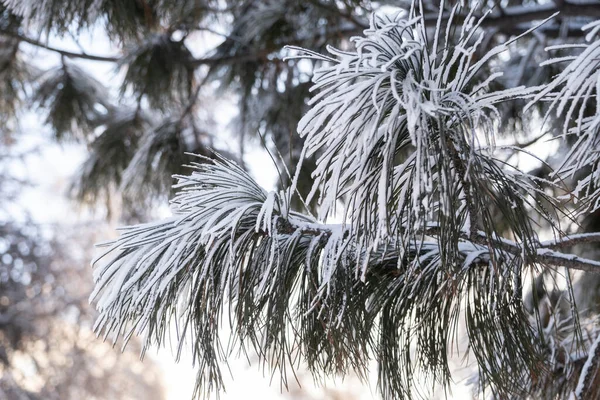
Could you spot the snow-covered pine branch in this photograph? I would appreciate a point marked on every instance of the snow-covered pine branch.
(76, 102)
(404, 131)
(573, 96)
(233, 248)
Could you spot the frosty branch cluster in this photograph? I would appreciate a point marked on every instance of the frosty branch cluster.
(403, 129)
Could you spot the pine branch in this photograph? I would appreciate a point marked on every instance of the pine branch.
(65, 53)
(407, 99)
(546, 257)
(588, 373)
(516, 15)
(572, 94)
(397, 127)
(110, 154)
(505, 22)
(571, 240)
(231, 237)
(197, 62)
(571, 261)
(71, 98)
(159, 70)
(229, 233)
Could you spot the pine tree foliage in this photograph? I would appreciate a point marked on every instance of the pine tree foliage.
(402, 137)
(160, 155)
(73, 99)
(379, 99)
(15, 75)
(573, 93)
(111, 152)
(160, 73)
(404, 130)
(154, 38)
(122, 18)
(13, 78)
(159, 69)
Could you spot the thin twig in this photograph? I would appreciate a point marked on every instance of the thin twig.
(531, 141)
(571, 240)
(64, 53)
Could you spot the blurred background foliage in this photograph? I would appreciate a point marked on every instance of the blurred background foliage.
(47, 346)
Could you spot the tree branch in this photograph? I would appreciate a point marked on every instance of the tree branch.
(571, 240)
(506, 22)
(545, 254)
(65, 53)
(571, 261)
(234, 58)
(513, 16)
(209, 61)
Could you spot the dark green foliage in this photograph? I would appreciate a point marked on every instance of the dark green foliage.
(14, 76)
(160, 155)
(291, 289)
(54, 15)
(124, 19)
(129, 19)
(76, 102)
(14, 73)
(110, 153)
(160, 71)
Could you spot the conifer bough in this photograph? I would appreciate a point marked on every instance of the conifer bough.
(404, 130)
